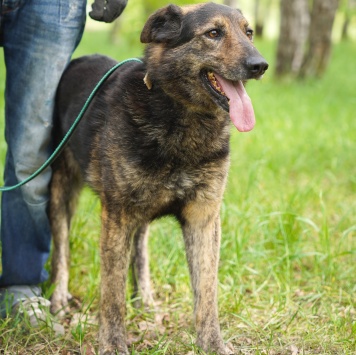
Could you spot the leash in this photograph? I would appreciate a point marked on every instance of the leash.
(70, 132)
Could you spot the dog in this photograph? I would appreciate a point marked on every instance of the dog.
(154, 142)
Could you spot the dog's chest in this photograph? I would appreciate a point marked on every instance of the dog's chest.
(179, 184)
(167, 192)
(167, 186)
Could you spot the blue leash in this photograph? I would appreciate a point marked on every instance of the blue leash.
(58, 150)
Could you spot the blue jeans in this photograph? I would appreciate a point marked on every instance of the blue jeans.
(39, 37)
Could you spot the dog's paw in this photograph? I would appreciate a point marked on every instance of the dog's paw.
(147, 303)
(230, 350)
(218, 347)
(225, 350)
(59, 303)
(117, 351)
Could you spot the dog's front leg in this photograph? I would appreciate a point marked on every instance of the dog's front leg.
(116, 238)
(201, 229)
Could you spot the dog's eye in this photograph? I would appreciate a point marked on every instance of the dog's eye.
(249, 33)
(213, 33)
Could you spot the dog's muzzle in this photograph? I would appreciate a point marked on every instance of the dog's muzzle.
(256, 67)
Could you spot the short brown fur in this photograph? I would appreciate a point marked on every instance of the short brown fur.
(149, 152)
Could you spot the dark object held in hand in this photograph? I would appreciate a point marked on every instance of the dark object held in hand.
(107, 10)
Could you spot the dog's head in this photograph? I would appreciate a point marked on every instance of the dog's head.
(202, 54)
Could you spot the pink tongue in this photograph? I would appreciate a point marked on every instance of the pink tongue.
(241, 110)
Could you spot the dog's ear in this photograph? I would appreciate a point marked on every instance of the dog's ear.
(163, 26)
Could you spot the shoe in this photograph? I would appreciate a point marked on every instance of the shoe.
(26, 301)
(10, 296)
(35, 308)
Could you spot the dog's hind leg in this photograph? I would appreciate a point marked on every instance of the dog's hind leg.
(201, 229)
(142, 293)
(65, 186)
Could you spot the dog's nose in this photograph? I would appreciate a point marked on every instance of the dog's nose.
(256, 66)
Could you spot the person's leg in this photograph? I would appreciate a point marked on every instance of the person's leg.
(39, 38)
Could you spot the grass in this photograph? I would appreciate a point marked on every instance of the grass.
(287, 271)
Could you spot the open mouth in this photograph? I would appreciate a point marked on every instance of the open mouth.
(232, 97)
(214, 87)
(215, 84)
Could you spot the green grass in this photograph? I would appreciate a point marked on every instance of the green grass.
(287, 277)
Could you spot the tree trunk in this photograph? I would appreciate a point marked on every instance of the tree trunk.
(113, 34)
(261, 12)
(258, 23)
(318, 53)
(231, 3)
(349, 9)
(294, 26)
(345, 27)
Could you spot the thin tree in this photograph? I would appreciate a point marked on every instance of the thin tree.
(304, 44)
(349, 9)
(261, 13)
(319, 39)
(231, 3)
(293, 34)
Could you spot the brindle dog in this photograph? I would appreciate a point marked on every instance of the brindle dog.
(155, 142)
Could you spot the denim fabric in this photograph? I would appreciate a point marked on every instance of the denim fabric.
(39, 37)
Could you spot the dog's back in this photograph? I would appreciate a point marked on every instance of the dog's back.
(76, 84)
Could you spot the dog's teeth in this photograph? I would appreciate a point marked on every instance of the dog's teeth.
(215, 83)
